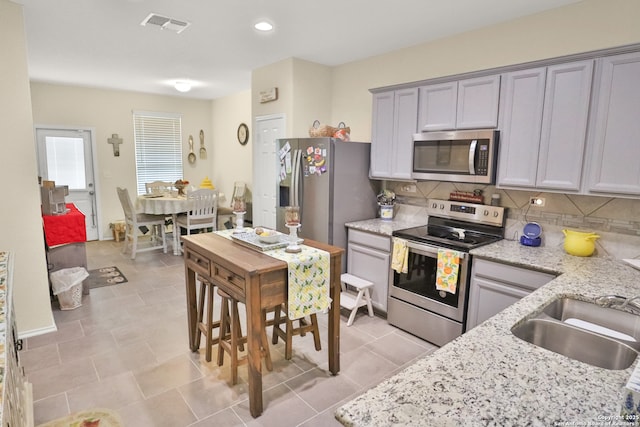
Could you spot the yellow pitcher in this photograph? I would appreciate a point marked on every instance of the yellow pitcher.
(579, 243)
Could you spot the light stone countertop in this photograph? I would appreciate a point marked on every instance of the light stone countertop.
(488, 377)
(384, 226)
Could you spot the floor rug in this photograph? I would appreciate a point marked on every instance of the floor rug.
(105, 276)
(90, 418)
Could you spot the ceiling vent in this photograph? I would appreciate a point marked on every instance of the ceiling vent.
(165, 23)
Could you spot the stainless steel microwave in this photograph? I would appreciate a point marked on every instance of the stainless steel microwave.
(456, 156)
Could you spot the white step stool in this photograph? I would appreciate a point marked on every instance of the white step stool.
(352, 301)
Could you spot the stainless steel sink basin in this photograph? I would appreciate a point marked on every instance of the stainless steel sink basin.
(584, 331)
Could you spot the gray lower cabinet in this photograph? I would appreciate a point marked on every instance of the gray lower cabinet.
(495, 286)
(614, 166)
(369, 257)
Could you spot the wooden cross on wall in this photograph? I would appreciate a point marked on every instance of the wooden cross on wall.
(115, 140)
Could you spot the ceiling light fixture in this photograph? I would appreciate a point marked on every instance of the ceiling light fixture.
(182, 86)
(263, 26)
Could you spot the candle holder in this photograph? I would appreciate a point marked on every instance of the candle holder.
(293, 246)
(239, 222)
(292, 215)
(239, 209)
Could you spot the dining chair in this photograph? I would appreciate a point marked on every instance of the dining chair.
(203, 211)
(239, 190)
(134, 220)
(158, 187)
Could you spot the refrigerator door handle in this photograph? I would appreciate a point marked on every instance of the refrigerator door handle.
(295, 181)
(292, 185)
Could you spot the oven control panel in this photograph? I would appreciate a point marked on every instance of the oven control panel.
(485, 214)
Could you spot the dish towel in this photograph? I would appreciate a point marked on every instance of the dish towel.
(400, 255)
(447, 272)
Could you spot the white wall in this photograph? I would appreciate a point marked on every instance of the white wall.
(21, 225)
(109, 112)
(580, 27)
(231, 161)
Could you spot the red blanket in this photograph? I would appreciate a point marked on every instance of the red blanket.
(67, 228)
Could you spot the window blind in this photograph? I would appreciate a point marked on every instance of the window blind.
(158, 146)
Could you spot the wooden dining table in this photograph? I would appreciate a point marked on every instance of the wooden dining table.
(259, 281)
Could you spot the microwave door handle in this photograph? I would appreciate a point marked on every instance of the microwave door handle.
(472, 157)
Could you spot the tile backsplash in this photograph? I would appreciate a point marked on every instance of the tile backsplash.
(616, 220)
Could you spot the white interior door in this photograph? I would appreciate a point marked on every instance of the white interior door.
(267, 130)
(66, 157)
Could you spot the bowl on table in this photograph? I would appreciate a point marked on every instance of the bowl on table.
(267, 236)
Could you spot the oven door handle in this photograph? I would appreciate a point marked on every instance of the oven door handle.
(428, 250)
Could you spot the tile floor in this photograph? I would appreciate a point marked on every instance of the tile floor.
(126, 348)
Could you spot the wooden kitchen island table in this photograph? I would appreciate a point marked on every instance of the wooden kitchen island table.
(259, 281)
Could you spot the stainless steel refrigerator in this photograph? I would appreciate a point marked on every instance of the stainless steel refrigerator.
(329, 179)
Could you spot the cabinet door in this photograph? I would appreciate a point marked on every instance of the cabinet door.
(488, 298)
(395, 116)
(372, 265)
(405, 125)
(614, 166)
(564, 126)
(478, 103)
(523, 98)
(382, 135)
(437, 106)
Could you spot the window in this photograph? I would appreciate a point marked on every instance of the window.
(158, 140)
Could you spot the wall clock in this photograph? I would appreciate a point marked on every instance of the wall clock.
(243, 134)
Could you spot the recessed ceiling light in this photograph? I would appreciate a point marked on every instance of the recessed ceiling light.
(263, 26)
(182, 86)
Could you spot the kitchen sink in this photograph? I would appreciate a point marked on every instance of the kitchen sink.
(584, 331)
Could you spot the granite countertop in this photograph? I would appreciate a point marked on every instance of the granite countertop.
(384, 226)
(488, 377)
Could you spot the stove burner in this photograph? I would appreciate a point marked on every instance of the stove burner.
(456, 235)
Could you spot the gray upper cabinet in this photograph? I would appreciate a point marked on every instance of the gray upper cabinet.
(613, 162)
(544, 123)
(522, 103)
(437, 106)
(464, 104)
(478, 102)
(395, 120)
(564, 125)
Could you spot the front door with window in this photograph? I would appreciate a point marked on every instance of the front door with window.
(65, 156)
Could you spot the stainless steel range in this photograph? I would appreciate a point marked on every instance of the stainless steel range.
(414, 303)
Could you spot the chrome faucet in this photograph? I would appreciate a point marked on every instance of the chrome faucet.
(620, 302)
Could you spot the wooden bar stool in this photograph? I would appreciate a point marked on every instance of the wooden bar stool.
(207, 326)
(280, 317)
(233, 340)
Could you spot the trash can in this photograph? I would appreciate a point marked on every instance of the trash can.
(67, 286)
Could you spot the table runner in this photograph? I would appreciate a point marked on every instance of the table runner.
(309, 276)
(67, 228)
